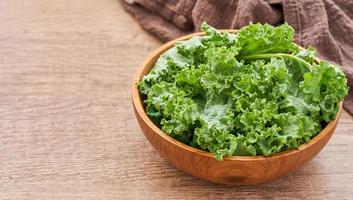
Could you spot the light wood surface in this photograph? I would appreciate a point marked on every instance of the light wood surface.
(234, 170)
(67, 128)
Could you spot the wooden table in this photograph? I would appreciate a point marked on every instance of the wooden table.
(67, 128)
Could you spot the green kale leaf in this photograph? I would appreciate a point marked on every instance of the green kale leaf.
(250, 93)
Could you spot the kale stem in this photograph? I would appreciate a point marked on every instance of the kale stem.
(279, 55)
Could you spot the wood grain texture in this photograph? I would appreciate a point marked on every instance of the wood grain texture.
(67, 128)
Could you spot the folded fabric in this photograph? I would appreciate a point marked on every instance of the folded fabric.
(325, 24)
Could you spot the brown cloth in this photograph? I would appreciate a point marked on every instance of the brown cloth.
(324, 24)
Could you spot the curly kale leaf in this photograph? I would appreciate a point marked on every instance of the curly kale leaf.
(250, 93)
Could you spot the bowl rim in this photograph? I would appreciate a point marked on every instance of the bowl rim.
(139, 109)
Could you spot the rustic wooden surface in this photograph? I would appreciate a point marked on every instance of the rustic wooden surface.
(67, 128)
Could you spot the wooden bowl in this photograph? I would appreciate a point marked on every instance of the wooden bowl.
(234, 170)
